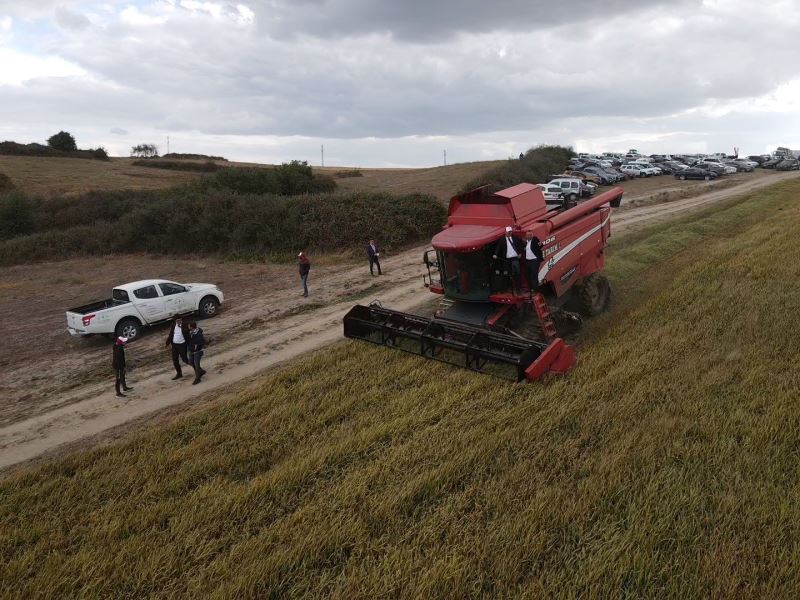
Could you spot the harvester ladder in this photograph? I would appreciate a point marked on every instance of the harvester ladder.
(545, 318)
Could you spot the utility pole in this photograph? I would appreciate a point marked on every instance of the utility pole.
(322, 155)
(445, 157)
(167, 144)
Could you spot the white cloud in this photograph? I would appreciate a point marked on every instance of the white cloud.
(19, 67)
(131, 15)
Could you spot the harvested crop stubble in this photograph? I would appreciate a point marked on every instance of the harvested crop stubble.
(664, 465)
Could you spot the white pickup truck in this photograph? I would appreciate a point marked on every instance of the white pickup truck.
(135, 305)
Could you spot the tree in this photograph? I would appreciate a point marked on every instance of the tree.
(144, 150)
(62, 141)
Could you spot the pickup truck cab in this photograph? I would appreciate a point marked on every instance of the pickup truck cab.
(135, 305)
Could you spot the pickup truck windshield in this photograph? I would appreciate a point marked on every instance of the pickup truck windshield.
(171, 288)
(119, 296)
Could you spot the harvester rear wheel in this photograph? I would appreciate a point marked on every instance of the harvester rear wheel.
(594, 294)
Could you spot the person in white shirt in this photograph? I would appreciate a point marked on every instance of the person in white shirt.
(510, 249)
(374, 257)
(533, 259)
(177, 337)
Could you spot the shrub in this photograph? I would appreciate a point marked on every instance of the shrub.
(177, 155)
(177, 165)
(289, 179)
(16, 216)
(215, 222)
(5, 183)
(63, 141)
(536, 166)
(16, 149)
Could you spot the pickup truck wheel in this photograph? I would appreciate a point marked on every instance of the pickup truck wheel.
(208, 307)
(129, 328)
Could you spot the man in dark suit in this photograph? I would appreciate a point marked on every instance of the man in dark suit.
(374, 254)
(118, 362)
(510, 249)
(178, 337)
(533, 260)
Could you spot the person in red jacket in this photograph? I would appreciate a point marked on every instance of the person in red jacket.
(304, 266)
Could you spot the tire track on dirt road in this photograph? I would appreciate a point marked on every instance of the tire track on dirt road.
(97, 409)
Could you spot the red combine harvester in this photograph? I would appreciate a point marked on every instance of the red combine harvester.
(485, 323)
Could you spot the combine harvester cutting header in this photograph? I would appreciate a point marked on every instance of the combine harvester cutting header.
(484, 322)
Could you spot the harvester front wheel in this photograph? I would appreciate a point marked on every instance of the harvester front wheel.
(594, 294)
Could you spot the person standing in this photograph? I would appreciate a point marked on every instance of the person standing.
(177, 337)
(510, 249)
(374, 254)
(118, 362)
(305, 266)
(196, 344)
(533, 260)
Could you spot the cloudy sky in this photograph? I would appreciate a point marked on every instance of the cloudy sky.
(391, 82)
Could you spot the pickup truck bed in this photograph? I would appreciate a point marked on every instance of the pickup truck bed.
(95, 306)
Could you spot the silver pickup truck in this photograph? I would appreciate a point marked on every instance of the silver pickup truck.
(134, 305)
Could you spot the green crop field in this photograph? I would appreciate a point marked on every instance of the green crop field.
(665, 465)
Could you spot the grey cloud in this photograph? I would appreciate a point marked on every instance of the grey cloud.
(118, 131)
(69, 19)
(438, 20)
(564, 81)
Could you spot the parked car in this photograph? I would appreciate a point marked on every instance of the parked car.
(141, 303)
(790, 164)
(694, 173)
(570, 186)
(772, 163)
(551, 193)
(714, 167)
(647, 168)
(741, 166)
(605, 178)
(585, 176)
(633, 170)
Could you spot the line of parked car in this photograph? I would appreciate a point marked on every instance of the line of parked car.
(586, 171)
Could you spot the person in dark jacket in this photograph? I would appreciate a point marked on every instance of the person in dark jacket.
(178, 337)
(373, 253)
(118, 362)
(304, 266)
(510, 249)
(196, 344)
(533, 260)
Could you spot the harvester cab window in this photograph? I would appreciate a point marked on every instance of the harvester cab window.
(466, 275)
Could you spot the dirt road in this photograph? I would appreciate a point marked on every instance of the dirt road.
(264, 324)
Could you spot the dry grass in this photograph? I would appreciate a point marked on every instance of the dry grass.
(441, 182)
(665, 465)
(57, 176)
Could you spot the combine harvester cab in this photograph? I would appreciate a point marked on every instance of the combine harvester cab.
(485, 324)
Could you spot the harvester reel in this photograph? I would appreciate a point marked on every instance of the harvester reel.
(594, 294)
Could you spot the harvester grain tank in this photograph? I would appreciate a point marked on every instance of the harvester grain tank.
(486, 323)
